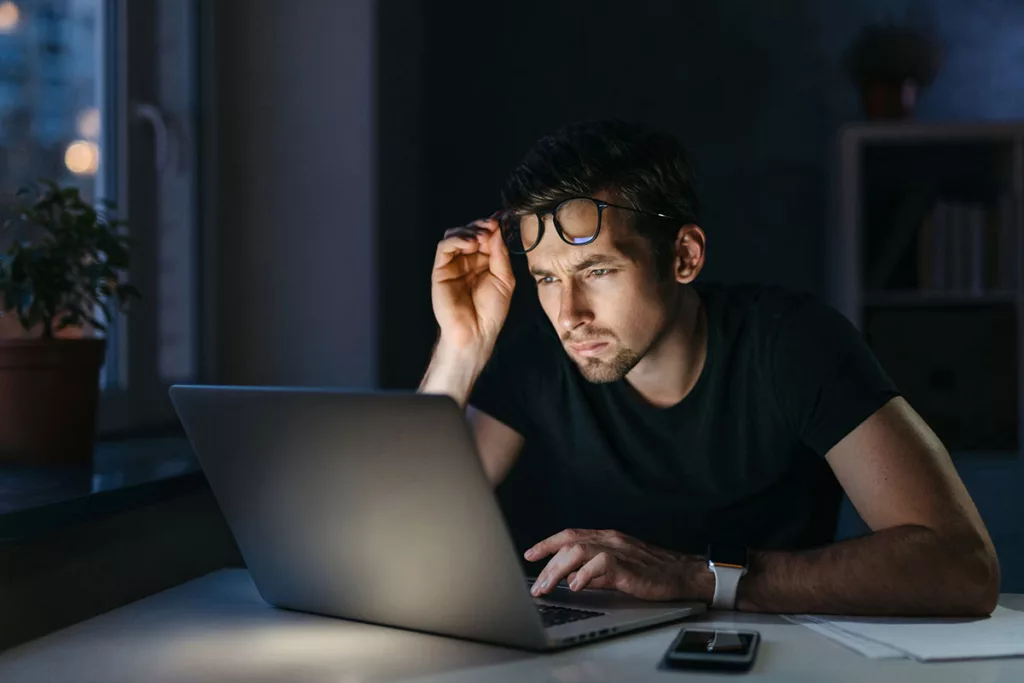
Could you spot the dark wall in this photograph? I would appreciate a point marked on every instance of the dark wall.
(294, 160)
(712, 73)
(405, 242)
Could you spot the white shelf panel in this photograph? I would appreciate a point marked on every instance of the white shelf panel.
(944, 133)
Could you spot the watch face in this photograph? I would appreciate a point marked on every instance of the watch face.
(724, 553)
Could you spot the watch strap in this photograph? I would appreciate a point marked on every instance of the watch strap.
(727, 581)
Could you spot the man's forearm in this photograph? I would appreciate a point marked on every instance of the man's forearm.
(906, 570)
(454, 371)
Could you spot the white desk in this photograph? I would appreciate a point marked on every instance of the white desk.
(218, 629)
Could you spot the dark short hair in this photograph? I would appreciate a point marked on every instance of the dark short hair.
(644, 167)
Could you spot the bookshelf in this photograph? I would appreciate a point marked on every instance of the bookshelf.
(925, 257)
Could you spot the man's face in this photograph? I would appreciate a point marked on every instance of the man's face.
(604, 298)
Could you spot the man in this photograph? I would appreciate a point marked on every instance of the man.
(691, 418)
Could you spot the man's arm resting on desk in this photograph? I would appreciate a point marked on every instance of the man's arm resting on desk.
(929, 553)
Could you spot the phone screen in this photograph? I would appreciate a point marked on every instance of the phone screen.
(735, 643)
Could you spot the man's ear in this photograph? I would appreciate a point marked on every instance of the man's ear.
(690, 248)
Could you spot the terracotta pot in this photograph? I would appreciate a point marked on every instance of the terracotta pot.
(889, 100)
(48, 395)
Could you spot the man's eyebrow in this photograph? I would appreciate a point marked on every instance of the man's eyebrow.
(589, 262)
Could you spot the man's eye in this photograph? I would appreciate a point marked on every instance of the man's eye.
(546, 280)
(600, 272)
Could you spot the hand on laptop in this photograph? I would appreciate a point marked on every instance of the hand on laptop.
(609, 559)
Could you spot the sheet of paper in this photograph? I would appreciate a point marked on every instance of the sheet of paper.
(864, 646)
(1000, 635)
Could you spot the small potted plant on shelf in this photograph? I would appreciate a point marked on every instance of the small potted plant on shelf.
(890, 64)
(60, 276)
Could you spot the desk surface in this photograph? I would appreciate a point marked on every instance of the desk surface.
(217, 628)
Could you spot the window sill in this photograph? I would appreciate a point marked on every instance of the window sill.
(126, 473)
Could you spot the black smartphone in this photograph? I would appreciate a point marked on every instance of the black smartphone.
(724, 650)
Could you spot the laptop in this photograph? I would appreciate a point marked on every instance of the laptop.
(374, 506)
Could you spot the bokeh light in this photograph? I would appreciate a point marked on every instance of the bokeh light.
(9, 16)
(89, 123)
(82, 157)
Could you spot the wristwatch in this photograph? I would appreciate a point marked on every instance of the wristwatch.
(728, 563)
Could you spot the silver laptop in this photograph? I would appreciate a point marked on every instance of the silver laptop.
(375, 507)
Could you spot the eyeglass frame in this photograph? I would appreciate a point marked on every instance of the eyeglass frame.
(601, 206)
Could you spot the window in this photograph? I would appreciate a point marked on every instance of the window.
(101, 94)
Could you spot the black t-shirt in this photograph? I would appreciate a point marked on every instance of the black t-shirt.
(739, 459)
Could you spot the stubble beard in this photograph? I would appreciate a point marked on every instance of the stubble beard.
(598, 371)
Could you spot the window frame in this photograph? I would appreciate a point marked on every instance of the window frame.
(139, 400)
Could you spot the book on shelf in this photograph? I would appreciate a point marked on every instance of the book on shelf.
(967, 248)
(1007, 244)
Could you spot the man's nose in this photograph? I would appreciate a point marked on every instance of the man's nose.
(573, 310)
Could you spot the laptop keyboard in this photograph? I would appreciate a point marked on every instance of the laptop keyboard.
(556, 616)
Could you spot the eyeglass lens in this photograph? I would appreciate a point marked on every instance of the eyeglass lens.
(577, 220)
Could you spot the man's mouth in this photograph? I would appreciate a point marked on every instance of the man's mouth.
(588, 348)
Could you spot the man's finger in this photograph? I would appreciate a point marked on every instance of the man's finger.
(450, 247)
(605, 581)
(599, 566)
(467, 264)
(482, 227)
(500, 263)
(488, 224)
(567, 560)
(472, 230)
(553, 544)
(467, 231)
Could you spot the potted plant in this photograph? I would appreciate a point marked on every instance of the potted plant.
(60, 276)
(891, 64)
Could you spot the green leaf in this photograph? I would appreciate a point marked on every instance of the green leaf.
(65, 256)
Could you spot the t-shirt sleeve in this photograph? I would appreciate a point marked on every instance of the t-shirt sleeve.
(826, 378)
(507, 389)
